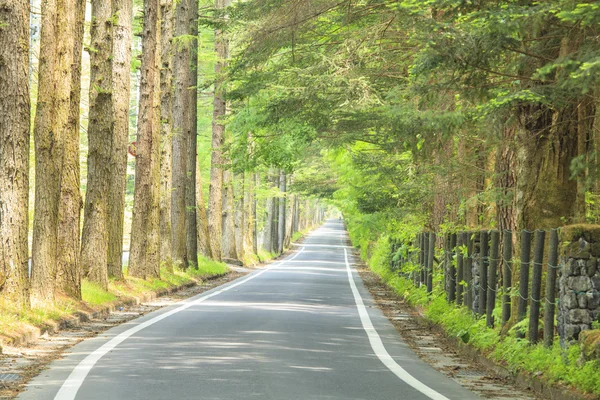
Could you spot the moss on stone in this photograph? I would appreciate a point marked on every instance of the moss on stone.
(572, 233)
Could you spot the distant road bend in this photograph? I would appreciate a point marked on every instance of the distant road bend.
(304, 328)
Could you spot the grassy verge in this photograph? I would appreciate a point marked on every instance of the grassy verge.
(555, 365)
(15, 321)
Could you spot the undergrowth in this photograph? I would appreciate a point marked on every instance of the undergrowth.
(555, 364)
(15, 320)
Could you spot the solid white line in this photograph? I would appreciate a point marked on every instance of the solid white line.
(379, 348)
(71, 386)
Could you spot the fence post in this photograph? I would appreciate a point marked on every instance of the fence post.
(524, 278)
(452, 269)
(551, 289)
(484, 251)
(425, 258)
(430, 255)
(506, 275)
(492, 278)
(536, 285)
(468, 272)
(460, 267)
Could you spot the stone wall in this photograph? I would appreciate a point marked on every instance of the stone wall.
(578, 281)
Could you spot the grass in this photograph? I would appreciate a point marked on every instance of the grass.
(15, 321)
(554, 364)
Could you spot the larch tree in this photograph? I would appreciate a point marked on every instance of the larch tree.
(181, 130)
(282, 212)
(166, 131)
(68, 276)
(192, 145)
(101, 132)
(145, 232)
(14, 150)
(215, 201)
(202, 219)
(228, 245)
(50, 128)
(122, 11)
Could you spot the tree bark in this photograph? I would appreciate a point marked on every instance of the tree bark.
(190, 186)
(181, 132)
(122, 30)
(281, 214)
(166, 132)
(145, 234)
(51, 125)
(270, 218)
(14, 150)
(228, 244)
(215, 206)
(68, 276)
(202, 220)
(238, 218)
(94, 239)
(249, 211)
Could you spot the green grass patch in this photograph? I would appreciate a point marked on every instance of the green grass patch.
(265, 255)
(555, 364)
(93, 294)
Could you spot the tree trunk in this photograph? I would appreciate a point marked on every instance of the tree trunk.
(68, 276)
(51, 126)
(281, 214)
(181, 132)
(122, 11)
(145, 234)
(166, 132)
(228, 243)
(202, 220)
(254, 212)
(238, 218)
(192, 150)
(94, 239)
(215, 206)
(249, 234)
(270, 226)
(14, 150)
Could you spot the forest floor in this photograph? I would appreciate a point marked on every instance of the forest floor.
(436, 349)
(19, 364)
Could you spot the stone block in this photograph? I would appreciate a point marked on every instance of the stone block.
(596, 282)
(571, 332)
(579, 249)
(579, 316)
(590, 344)
(579, 283)
(591, 266)
(569, 301)
(582, 300)
(569, 267)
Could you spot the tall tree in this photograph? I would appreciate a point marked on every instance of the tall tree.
(281, 214)
(101, 128)
(202, 220)
(14, 150)
(68, 276)
(228, 245)
(215, 207)
(166, 131)
(145, 233)
(122, 11)
(181, 130)
(192, 149)
(50, 127)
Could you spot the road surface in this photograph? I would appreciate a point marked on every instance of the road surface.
(304, 328)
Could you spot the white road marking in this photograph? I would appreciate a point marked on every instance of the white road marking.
(71, 386)
(379, 348)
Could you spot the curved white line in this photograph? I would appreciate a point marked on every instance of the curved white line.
(379, 348)
(71, 386)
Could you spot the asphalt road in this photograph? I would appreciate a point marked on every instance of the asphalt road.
(304, 328)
